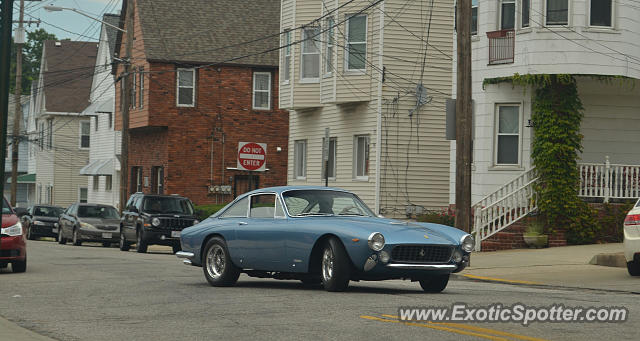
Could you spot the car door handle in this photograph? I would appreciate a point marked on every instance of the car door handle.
(242, 223)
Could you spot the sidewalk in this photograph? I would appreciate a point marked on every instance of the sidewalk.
(557, 266)
(11, 331)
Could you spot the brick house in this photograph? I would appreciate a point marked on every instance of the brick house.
(195, 98)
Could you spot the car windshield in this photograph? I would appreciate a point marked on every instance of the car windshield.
(167, 205)
(43, 211)
(324, 203)
(104, 212)
(5, 207)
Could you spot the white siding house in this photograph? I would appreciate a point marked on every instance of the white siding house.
(103, 169)
(587, 39)
(376, 74)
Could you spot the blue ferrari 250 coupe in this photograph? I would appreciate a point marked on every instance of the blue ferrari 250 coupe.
(320, 235)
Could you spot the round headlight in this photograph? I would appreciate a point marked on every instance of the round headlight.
(155, 222)
(457, 256)
(376, 241)
(467, 243)
(196, 222)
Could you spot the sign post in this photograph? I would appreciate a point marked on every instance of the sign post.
(252, 157)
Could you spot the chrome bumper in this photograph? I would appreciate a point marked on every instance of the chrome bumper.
(186, 257)
(423, 266)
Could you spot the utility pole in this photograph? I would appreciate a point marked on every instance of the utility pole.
(463, 117)
(126, 103)
(6, 19)
(17, 115)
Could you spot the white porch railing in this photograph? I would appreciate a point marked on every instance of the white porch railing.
(609, 181)
(505, 206)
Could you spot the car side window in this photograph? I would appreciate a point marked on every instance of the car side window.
(263, 206)
(130, 202)
(237, 210)
(138, 203)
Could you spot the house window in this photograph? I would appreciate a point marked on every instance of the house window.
(557, 12)
(601, 13)
(186, 87)
(136, 179)
(300, 156)
(474, 17)
(286, 64)
(50, 134)
(141, 81)
(329, 36)
(310, 54)
(262, 90)
(108, 182)
(96, 182)
(49, 197)
(134, 84)
(83, 194)
(356, 42)
(361, 156)
(85, 134)
(526, 4)
(508, 135)
(507, 14)
(331, 156)
(157, 179)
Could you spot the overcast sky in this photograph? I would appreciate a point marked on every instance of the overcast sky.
(68, 24)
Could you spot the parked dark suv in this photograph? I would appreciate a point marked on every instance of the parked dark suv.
(155, 219)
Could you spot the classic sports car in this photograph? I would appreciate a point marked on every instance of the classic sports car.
(320, 235)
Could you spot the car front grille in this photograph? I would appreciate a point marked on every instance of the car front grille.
(422, 253)
(175, 223)
(107, 228)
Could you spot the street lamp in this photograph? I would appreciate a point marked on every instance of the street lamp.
(59, 9)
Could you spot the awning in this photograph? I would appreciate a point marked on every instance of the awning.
(103, 106)
(99, 167)
(24, 179)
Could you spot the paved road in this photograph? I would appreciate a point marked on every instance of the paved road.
(94, 293)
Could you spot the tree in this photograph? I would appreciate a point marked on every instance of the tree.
(31, 55)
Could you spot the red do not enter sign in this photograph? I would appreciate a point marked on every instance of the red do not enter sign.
(252, 156)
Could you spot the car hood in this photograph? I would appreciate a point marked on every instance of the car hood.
(9, 220)
(398, 231)
(101, 221)
(47, 219)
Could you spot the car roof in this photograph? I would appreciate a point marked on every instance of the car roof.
(91, 204)
(51, 206)
(281, 189)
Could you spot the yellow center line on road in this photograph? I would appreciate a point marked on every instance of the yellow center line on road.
(446, 329)
(477, 329)
(511, 281)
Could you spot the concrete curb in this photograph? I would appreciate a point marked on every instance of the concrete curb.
(11, 331)
(609, 259)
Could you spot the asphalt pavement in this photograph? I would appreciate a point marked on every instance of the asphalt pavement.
(96, 293)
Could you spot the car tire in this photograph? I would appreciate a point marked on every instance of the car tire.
(61, 240)
(335, 266)
(176, 248)
(633, 268)
(19, 266)
(216, 264)
(141, 244)
(124, 245)
(434, 284)
(76, 238)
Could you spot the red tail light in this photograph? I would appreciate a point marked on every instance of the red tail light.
(632, 219)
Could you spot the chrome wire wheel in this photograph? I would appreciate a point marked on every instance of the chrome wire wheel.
(327, 265)
(215, 261)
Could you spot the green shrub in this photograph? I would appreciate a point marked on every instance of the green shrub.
(204, 211)
(443, 217)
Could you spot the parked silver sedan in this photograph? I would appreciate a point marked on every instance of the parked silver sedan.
(90, 223)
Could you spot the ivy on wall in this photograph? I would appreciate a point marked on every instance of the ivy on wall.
(557, 113)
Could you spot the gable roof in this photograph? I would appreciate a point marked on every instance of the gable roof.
(68, 74)
(112, 33)
(205, 31)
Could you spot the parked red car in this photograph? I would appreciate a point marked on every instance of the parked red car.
(12, 241)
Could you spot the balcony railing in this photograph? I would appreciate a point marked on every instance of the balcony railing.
(501, 46)
(609, 181)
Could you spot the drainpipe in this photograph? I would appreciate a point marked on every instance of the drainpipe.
(379, 113)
